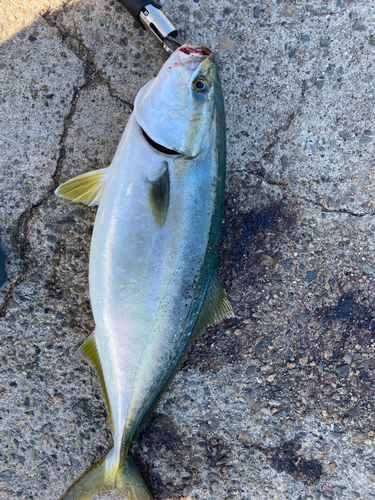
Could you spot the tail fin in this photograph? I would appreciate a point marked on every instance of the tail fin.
(125, 479)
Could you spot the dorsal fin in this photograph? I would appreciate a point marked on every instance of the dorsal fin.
(159, 195)
(86, 188)
(215, 308)
(89, 350)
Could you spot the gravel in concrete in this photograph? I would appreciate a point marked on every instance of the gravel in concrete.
(275, 404)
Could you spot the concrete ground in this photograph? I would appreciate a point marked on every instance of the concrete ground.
(276, 404)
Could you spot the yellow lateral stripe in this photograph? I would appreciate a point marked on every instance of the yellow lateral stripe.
(90, 350)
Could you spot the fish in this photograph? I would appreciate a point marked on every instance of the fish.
(154, 251)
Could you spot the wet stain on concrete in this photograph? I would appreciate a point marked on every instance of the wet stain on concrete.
(343, 310)
(353, 314)
(244, 233)
(161, 438)
(285, 458)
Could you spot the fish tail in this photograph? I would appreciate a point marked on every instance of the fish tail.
(130, 483)
(107, 476)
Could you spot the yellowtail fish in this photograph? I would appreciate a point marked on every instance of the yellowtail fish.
(154, 250)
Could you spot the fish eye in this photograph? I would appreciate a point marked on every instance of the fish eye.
(200, 85)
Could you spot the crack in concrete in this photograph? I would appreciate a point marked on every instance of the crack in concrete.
(335, 210)
(275, 135)
(93, 75)
(76, 45)
(286, 126)
(267, 178)
(20, 240)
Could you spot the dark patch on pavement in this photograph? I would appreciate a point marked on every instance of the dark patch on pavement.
(245, 233)
(343, 310)
(161, 431)
(284, 458)
(161, 437)
(356, 318)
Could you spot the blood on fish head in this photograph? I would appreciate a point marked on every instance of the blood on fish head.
(191, 57)
(191, 50)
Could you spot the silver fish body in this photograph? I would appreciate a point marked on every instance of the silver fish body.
(154, 252)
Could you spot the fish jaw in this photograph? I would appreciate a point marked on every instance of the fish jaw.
(170, 109)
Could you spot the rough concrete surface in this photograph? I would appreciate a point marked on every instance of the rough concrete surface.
(279, 402)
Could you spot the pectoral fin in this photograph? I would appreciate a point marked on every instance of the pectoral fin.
(215, 308)
(89, 350)
(158, 196)
(86, 188)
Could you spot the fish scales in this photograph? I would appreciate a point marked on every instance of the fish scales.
(154, 250)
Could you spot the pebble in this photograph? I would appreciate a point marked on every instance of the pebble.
(284, 161)
(274, 402)
(249, 397)
(262, 342)
(343, 370)
(325, 42)
(266, 260)
(213, 476)
(305, 316)
(358, 26)
(288, 11)
(311, 275)
(3, 274)
(368, 269)
(346, 136)
(66, 223)
(319, 83)
(57, 398)
(347, 358)
(331, 467)
(6, 475)
(357, 438)
(251, 371)
(244, 437)
(187, 490)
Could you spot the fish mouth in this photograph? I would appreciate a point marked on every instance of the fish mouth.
(190, 57)
(159, 147)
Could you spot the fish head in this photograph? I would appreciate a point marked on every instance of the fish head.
(176, 108)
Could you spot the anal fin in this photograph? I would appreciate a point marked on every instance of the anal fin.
(86, 188)
(89, 350)
(215, 308)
